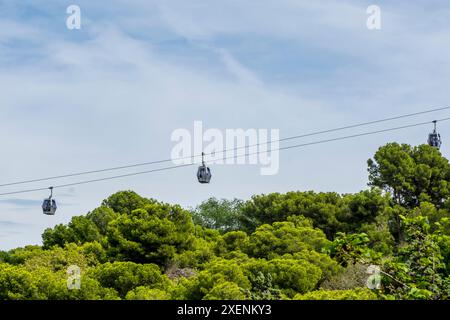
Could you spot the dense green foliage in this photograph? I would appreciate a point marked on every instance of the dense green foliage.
(299, 245)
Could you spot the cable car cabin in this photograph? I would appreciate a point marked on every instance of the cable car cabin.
(49, 207)
(203, 174)
(434, 140)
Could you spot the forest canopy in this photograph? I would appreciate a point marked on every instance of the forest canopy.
(391, 241)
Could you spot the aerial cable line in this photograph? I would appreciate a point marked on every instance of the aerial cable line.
(229, 157)
(97, 180)
(222, 151)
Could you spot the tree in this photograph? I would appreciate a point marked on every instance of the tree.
(58, 236)
(126, 202)
(291, 276)
(218, 214)
(362, 208)
(321, 208)
(4, 256)
(411, 174)
(80, 230)
(146, 293)
(101, 217)
(262, 287)
(352, 277)
(325, 263)
(16, 283)
(329, 212)
(126, 276)
(233, 241)
(201, 252)
(59, 259)
(225, 291)
(417, 270)
(298, 245)
(350, 249)
(41, 283)
(356, 294)
(294, 235)
(154, 234)
(53, 286)
(227, 273)
(20, 255)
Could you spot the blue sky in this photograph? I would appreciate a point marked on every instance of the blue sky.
(113, 92)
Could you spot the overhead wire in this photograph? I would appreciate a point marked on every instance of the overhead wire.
(222, 151)
(229, 157)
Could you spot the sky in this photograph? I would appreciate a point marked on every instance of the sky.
(113, 92)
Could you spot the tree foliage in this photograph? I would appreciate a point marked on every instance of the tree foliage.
(297, 245)
(218, 214)
(411, 174)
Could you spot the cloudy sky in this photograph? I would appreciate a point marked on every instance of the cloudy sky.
(112, 93)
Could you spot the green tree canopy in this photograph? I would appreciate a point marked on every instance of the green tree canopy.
(411, 174)
(218, 214)
(126, 276)
(297, 245)
(150, 235)
(294, 235)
